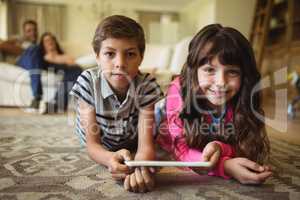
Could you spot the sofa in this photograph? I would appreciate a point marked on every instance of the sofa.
(163, 61)
(15, 87)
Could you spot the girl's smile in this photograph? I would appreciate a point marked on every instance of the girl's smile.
(218, 93)
(219, 83)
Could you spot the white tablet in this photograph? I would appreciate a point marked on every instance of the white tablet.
(137, 163)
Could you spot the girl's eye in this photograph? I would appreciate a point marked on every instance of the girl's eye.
(233, 72)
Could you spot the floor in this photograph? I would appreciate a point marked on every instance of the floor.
(40, 158)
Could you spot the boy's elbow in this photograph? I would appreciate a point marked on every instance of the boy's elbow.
(90, 147)
(146, 154)
(89, 151)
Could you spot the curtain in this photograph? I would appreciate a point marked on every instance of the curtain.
(48, 17)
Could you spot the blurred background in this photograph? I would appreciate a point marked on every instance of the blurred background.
(40, 155)
(165, 22)
(272, 27)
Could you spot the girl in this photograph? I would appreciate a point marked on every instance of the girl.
(52, 51)
(55, 59)
(210, 110)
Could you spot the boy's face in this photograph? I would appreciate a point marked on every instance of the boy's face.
(119, 59)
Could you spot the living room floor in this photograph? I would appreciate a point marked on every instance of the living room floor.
(41, 159)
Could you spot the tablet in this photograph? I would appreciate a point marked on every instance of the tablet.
(142, 163)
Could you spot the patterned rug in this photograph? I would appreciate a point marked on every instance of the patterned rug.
(40, 158)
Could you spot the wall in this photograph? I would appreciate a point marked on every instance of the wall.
(196, 15)
(90, 13)
(82, 17)
(236, 13)
(3, 20)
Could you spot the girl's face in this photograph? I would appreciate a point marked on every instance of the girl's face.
(49, 43)
(219, 83)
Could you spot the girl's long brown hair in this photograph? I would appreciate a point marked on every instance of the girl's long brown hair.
(42, 46)
(231, 48)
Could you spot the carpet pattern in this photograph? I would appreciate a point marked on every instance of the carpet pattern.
(40, 158)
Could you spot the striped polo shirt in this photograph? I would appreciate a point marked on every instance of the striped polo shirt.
(118, 121)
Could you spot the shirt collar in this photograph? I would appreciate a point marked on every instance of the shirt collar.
(228, 116)
(106, 90)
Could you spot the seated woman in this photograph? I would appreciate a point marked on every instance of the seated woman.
(55, 59)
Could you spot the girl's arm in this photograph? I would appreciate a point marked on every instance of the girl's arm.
(96, 151)
(60, 59)
(246, 171)
(175, 126)
(175, 140)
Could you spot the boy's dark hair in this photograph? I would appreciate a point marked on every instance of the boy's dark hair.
(29, 21)
(118, 26)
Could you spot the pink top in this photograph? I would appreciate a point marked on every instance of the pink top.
(172, 128)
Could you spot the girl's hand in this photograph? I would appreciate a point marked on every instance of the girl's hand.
(142, 180)
(211, 153)
(116, 166)
(246, 171)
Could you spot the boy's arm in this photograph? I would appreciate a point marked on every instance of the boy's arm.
(146, 150)
(96, 151)
(142, 179)
(92, 131)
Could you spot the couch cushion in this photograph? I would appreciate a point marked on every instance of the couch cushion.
(180, 55)
(13, 73)
(156, 56)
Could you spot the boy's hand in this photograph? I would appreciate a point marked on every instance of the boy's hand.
(142, 180)
(116, 166)
(246, 171)
(211, 153)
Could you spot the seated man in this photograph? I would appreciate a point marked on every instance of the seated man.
(25, 48)
(16, 46)
(48, 55)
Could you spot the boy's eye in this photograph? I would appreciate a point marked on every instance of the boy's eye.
(209, 70)
(131, 54)
(109, 54)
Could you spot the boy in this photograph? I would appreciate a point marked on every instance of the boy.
(116, 103)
